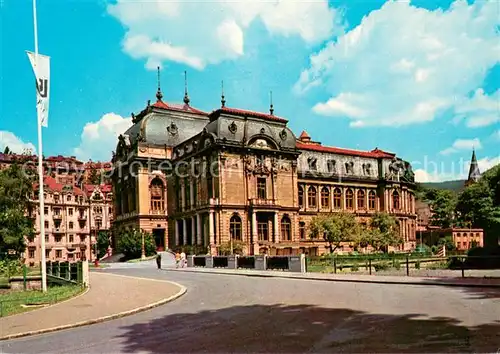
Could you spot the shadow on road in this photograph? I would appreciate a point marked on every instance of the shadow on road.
(303, 328)
(474, 292)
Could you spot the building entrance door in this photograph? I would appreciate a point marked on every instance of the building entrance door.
(159, 236)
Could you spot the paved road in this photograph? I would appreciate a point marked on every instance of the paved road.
(242, 314)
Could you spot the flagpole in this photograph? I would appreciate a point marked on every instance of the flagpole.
(40, 171)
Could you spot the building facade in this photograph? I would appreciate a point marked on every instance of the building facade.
(241, 177)
(74, 211)
(463, 238)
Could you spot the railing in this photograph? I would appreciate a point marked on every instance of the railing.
(262, 202)
(57, 216)
(82, 217)
(220, 262)
(65, 272)
(262, 262)
(199, 261)
(246, 262)
(275, 263)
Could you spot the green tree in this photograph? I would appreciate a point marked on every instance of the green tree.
(479, 205)
(102, 243)
(94, 176)
(443, 205)
(130, 243)
(7, 151)
(15, 190)
(335, 228)
(384, 232)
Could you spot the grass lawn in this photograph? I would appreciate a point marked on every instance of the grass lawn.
(11, 302)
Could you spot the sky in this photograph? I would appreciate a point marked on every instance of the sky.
(417, 78)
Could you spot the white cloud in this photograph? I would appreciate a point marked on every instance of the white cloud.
(15, 144)
(99, 138)
(404, 65)
(487, 163)
(461, 145)
(198, 33)
(479, 111)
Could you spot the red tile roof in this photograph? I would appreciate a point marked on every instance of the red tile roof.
(54, 186)
(376, 153)
(177, 107)
(253, 114)
(304, 135)
(104, 188)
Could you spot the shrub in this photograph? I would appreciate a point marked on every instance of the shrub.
(9, 267)
(130, 244)
(381, 266)
(417, 265)
(396, 264)
(354, 267)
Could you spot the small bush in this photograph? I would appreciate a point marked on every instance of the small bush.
(354, 268)
(417, 265)
(381, 266)
(10, 267)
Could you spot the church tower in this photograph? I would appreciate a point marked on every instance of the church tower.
(474, 173)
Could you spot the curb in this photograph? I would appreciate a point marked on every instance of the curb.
(181, 292)
(368, 281)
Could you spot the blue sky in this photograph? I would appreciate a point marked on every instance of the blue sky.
(417, 78)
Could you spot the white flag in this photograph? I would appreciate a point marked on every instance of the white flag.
(41, 68)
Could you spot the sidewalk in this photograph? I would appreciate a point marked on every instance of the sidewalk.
(110, 296)
(382, 279)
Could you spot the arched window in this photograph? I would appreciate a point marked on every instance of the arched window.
(337, 198)
(235, 227)
(395, 200)
(311, 197)
(301, 197)
(372, 200)
(349, 199)
(286, 228)
(157, 195)
(361, 199)
(325, 197)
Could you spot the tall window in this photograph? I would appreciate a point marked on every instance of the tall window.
(311, 197)
(325, 197)
(261, 188)
(210, 186)
(263, 230)
(349, 199)
(302, 230)
(337, 198)
(372, 201)
(235, 227)
(395, 200)
(301, 197)
(71, 225)
(361, 199)
(157, 195)
(286, 228)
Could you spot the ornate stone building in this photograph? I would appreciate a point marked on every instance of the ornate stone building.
(193, 178)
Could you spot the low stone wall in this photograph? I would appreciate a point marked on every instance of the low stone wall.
(32, 283)
(261, 262)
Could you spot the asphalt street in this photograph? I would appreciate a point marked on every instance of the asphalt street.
(222, 313)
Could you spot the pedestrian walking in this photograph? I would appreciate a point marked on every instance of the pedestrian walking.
(177, 259)
(183, 259)
(158, 261)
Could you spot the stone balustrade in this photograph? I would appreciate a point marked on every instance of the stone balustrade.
(262, 262)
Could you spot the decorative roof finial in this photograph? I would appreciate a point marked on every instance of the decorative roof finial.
(186, 97)
(271, 109)
(159, 95)
(223, 99)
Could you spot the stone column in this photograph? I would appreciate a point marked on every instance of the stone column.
(199, 231)
(254, 227)
(211, 227)
(194, 232)
(176, 225)
(184, 233)
(191, 194)
(276, 228)
(306, 197)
